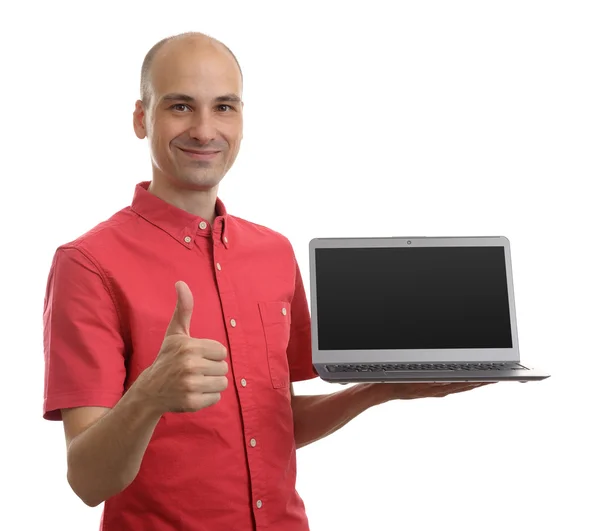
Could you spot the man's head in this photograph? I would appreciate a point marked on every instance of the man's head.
(191, 101)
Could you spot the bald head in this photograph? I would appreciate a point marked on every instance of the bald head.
(191, 112)
(177, 43)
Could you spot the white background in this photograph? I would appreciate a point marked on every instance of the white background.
(375, 118)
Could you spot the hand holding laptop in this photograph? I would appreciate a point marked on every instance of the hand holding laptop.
(410, 391)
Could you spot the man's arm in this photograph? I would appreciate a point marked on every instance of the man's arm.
(105, 446)
(106, 432)
(316, 417)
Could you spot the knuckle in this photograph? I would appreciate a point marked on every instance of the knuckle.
(188, 385)
(185, 345)
(206, 349)
(188, 364)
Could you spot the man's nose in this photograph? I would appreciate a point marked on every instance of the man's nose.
(203, 127)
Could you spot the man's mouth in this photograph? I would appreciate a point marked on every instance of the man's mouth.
(199, 155)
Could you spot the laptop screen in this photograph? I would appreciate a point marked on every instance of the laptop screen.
(412, 298)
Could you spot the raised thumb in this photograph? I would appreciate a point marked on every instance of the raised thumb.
(182, 316)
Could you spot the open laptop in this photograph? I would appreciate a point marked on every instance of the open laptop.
(414, 309)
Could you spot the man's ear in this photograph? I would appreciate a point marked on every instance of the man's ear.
(139, 120)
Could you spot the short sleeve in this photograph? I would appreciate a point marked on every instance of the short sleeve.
(299, 350)
(84, 350)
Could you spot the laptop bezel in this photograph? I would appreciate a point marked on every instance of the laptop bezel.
(421, 355)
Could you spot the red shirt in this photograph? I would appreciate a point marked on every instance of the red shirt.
(109, 299)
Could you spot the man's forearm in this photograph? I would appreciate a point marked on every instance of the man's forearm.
(316, 417)
(106, 457)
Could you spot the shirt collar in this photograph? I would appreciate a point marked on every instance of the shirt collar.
(179, 224)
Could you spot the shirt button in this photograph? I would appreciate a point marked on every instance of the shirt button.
(218, 266)
(243, 382)
(283, 311)
(225, 239)
(202, 225)
(187, 239)
(233, 323)
(253, 442)
(259, 504)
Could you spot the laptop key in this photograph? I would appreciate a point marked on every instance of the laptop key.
(395, 367)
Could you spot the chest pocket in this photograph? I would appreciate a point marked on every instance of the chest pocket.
(275, 317)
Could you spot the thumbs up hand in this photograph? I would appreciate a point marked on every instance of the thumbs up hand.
(188, 374)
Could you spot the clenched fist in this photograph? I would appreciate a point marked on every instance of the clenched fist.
(188, 374)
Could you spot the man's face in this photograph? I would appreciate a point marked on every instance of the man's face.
(195, 107)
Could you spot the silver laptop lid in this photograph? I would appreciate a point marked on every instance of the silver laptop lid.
(412, 299)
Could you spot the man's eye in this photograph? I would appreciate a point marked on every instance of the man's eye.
(179, 107)
(223, 105)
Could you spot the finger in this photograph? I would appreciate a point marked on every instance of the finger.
(214, 384)
(211, 350)
(459, 387)
(215, 368)
(210, 399)
(182, 316)
(208, 384)
(199, 401)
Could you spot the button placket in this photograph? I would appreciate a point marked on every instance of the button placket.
(238, 346)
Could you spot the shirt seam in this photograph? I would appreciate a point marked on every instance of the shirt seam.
(85, 393)
(105, 282)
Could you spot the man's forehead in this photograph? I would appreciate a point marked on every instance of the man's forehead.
(192, 66)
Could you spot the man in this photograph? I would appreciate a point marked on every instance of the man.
(174, 331)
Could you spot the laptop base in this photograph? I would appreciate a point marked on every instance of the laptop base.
(518, 375)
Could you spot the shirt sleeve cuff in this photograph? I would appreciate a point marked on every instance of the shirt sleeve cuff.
(53, 404)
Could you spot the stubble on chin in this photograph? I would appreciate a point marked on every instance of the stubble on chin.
(199, 179)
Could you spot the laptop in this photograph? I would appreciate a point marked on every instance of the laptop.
(415, 309)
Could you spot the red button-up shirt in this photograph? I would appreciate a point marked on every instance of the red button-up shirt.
(109, 299)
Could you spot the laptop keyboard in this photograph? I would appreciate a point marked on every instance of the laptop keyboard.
(386, 367)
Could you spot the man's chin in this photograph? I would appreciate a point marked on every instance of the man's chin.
(198, 182)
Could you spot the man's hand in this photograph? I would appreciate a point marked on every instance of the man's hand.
(408, 391)
(188, 374)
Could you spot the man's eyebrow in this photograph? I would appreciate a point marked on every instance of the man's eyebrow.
(175, 96)
(231, 98)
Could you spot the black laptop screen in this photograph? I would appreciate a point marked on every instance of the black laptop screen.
(412, 298)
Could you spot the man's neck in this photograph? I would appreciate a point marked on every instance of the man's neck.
(197, 202)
